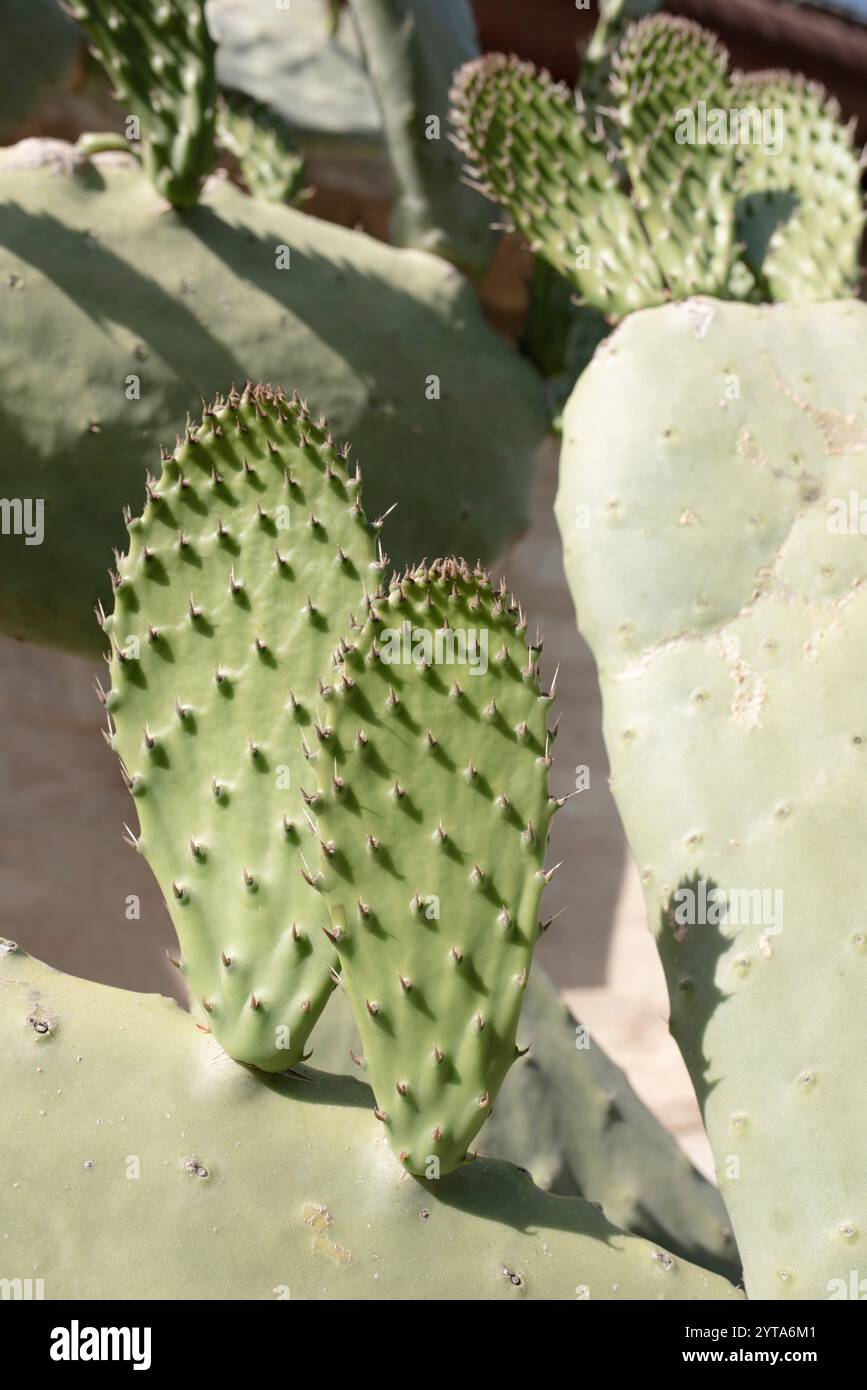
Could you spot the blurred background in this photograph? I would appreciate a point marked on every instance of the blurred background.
(66, 876)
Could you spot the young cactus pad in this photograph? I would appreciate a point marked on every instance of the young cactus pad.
(715, 546)
(433, 813)
(242, 572)
(646, 196)
(160, 58)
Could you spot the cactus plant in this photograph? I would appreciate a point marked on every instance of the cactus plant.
(413, 49)
(307, 69)
(270, 165)
(433, 812)
(163, 307)
(160, 59)
(568, 1115)
(196, 1185)
(666, 227)
(242, 572)
(734, 729)
(801, 213)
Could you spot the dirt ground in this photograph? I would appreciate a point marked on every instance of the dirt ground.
(66, 874)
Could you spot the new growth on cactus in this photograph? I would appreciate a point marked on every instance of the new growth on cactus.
(242, 571)
(433, 808)
(646, 196)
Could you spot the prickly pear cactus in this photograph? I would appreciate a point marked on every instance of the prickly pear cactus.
(433, 812)
(307, 68)
(800, 208)
(160, 58)
(168, 1153)
(413, 49)
(510, 119)
(637, 197)
(242, 571)
(683, 190)
(270, 166)
(569, 1116)
(716, 554)
(164, 308)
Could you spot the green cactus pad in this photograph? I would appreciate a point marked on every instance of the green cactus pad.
(162, 309)
(433, 814)
(242, 571)
(614, 17)
(160, 58)
(270, 165)
(721, 584)
(568, 1114)
(530, 150)
(140, 1162)
(801, 209)
(682, 186)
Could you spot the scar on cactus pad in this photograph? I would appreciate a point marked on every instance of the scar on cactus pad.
(433, 810)
(243, 570)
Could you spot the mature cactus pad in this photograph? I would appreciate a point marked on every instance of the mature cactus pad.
(161, 60)
(434, 812)
(120, 316)
(139, 1161)
(242, 572)
(714, 552)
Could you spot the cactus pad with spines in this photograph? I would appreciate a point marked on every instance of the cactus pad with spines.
(270, 165)
(161, 60)
(726, 606)
(684, 191)
(184, 1176)
(532, 151)
(800, 209)
(179, 305)
(433, 814)
(243, 570)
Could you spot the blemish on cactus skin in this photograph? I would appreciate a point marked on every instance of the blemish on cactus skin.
(319, 1218)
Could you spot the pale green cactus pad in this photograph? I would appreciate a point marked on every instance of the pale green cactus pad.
(433, 813)
(683, 189)
(717, 557)
(800, 209)
(242, 572)
(186, 1176)
(160, 58)
(165, 308)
